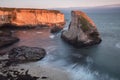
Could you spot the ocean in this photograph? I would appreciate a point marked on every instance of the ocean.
(100, 62)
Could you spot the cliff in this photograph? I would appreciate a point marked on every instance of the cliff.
(82, 31)
(31, 17)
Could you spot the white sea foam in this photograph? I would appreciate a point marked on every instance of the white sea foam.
(118, 45)
(84, 73)
(39, 32)
(77, 72)
(65, 28)
(47, 60)
(52, 36)
(50, 48)
(89, 60)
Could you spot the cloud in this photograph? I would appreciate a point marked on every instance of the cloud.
(55, 3)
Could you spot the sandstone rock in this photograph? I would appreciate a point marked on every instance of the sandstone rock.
(82, 31)
(24, 53)
(6, 39)
(20, 17)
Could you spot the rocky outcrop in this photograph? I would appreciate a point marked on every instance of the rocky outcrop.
(82, 31)
(9, 74)
(31, 17)
(55, 29)
(24, 53)
(7, 39)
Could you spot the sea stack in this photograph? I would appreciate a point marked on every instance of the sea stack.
(82, 31)
(26, 17)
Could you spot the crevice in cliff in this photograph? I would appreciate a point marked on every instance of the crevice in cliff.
(36, 21)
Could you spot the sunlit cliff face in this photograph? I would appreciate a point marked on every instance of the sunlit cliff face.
(31, 17)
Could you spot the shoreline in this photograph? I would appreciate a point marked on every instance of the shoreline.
(41, 71)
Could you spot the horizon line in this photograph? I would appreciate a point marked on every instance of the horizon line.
(109, 5)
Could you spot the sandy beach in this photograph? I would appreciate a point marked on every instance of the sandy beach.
(41, 71)
(44, 71)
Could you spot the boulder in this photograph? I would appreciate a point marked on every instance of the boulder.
(6, 39)
(82, 31)
(24, 53)
(56, 29)
(5, 33)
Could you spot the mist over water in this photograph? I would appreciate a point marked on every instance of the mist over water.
(100, 62)
(118, 45)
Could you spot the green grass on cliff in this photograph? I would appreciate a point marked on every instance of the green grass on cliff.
(85, 24)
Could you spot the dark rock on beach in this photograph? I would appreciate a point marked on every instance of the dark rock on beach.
(16, 75)
(24, 53)
(7, 39)
(55, 29)
(82, 31)
(3, 77)
(5, 33)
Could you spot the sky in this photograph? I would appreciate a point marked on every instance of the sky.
(55, 3)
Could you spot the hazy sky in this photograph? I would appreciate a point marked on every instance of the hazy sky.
(55, 3)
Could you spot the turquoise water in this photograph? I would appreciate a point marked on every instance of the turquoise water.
(101, 62)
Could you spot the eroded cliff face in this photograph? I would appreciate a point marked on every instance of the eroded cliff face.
(31, 17)
(82, 31)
